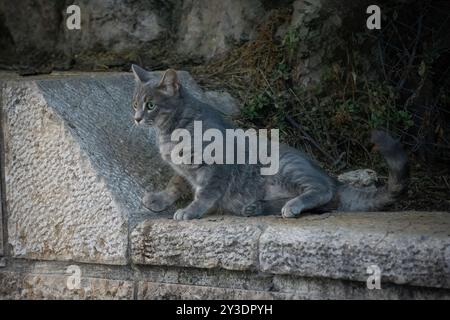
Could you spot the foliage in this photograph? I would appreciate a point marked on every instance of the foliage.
(320, 84)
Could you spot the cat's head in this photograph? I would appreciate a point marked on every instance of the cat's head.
(153, 101)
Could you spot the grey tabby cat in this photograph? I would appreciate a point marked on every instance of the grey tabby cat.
(300, 184)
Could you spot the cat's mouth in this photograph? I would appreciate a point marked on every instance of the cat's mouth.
(143, 123)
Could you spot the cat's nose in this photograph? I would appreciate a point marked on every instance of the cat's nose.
(137, 119)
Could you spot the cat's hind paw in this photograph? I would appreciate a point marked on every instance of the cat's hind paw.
(156, 202)
(252, 209)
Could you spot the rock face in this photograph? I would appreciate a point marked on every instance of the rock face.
(115, 33)
(160, 291)
(118, 26)
(208, 28)
(44, 287)
(113, 26)
(76, 167)
(125, 29)
(34, 27)
(319, 32)
(58, 206)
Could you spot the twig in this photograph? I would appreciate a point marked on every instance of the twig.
(309, 138)
(382, 60)
(412, 56)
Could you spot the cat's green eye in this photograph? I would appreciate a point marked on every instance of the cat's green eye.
(149, 105)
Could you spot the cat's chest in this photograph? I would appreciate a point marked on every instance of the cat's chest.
(165, 149)
(187, 170)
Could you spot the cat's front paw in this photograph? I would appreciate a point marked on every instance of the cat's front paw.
(186, 214)
(157, 201)
(291, 210)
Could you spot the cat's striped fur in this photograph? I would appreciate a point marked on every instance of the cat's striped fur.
(300, 184)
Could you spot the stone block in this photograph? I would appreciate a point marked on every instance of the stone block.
(224, 243)
(167, 291)
(50, 287)
(408, 247)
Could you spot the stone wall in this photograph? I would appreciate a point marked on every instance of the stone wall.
(75, 169)
(114, 33)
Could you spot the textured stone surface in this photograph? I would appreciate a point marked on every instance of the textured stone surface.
(111, 25)
(22, 279)
(228, 244)
(307, 288)
(1, 223)
(119, 26)
(42, 286)
(208, 28)
(75, 165)
(1, 238)
(58, 206)
(34, 27)
(165, 291)
(2, 192)
(318, 23)
(126, 29)
(409, 248)
(304, 289)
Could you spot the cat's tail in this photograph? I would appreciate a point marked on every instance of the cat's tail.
(368, 199)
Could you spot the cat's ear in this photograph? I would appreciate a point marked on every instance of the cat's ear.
(169, 84)
(141, 75)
